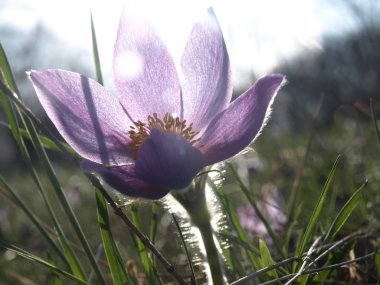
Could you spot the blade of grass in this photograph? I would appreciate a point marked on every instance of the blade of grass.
(233, 254)
(4, 186)
(70, 255)
(235, 222)
(233, 257)
(37, 259)
(115, 261)
(154, 223)
(141, 249)
(238, 241)
(66, 206)
(289, 235)
(45, 141)
(137, 233)
(377, 263)
(193, 279)
(266, 259)
(95, 52)
(317, 210)
(153, 228)
(41, 153)
(9, 115)
(6, 69)
(297, 181)
(375, 121)
(69, 258)
(145, 258)
(262, 218)
(344, 213)
(54, 273)
(6, 76)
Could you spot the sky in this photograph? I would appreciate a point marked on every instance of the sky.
(258, 34)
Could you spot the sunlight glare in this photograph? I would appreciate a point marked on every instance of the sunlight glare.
(130, 64)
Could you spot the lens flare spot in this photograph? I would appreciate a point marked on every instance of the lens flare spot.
(131, 65)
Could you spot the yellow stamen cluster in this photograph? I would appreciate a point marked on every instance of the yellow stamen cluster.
(141, 131)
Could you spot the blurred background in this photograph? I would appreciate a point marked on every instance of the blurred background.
(328, 50)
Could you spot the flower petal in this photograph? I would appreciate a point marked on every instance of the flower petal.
(144, 72)
(206, 86)
(168, 160)
(236, 127)
(87, 116)
(123, 179)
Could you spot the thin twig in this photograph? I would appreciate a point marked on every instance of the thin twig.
(193, 280)
(374, 120)
(338, 265)
(263, 270)
(306, 259)
(316, 270)
(333, 246)
(299, 174)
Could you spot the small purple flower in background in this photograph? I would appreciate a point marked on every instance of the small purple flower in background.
(4, 214)
(165, 124)
(269, 206)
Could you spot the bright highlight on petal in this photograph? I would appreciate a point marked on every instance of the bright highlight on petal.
(159, 131)
(155, 88)
(130, 65)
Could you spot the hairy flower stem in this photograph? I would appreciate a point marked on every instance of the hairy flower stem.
(212, 253)
(194, 201)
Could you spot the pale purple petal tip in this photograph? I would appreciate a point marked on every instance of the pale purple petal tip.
(235, 128)
(206, 86)
(124, 180)
(168, 160)
(145, 75)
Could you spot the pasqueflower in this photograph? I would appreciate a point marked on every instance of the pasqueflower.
(166, 123)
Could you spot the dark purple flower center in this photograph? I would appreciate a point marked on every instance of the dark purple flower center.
(171, 124)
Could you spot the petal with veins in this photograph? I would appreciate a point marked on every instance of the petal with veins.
(236, 127)
(88, 117)
(144, 72)
(206, 86)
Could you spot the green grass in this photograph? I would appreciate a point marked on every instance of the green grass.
(348, 207)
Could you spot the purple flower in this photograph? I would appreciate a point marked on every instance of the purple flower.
(165, 124)
(270, 207)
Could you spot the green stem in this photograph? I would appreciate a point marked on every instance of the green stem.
(212, 253)
(194, 201)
